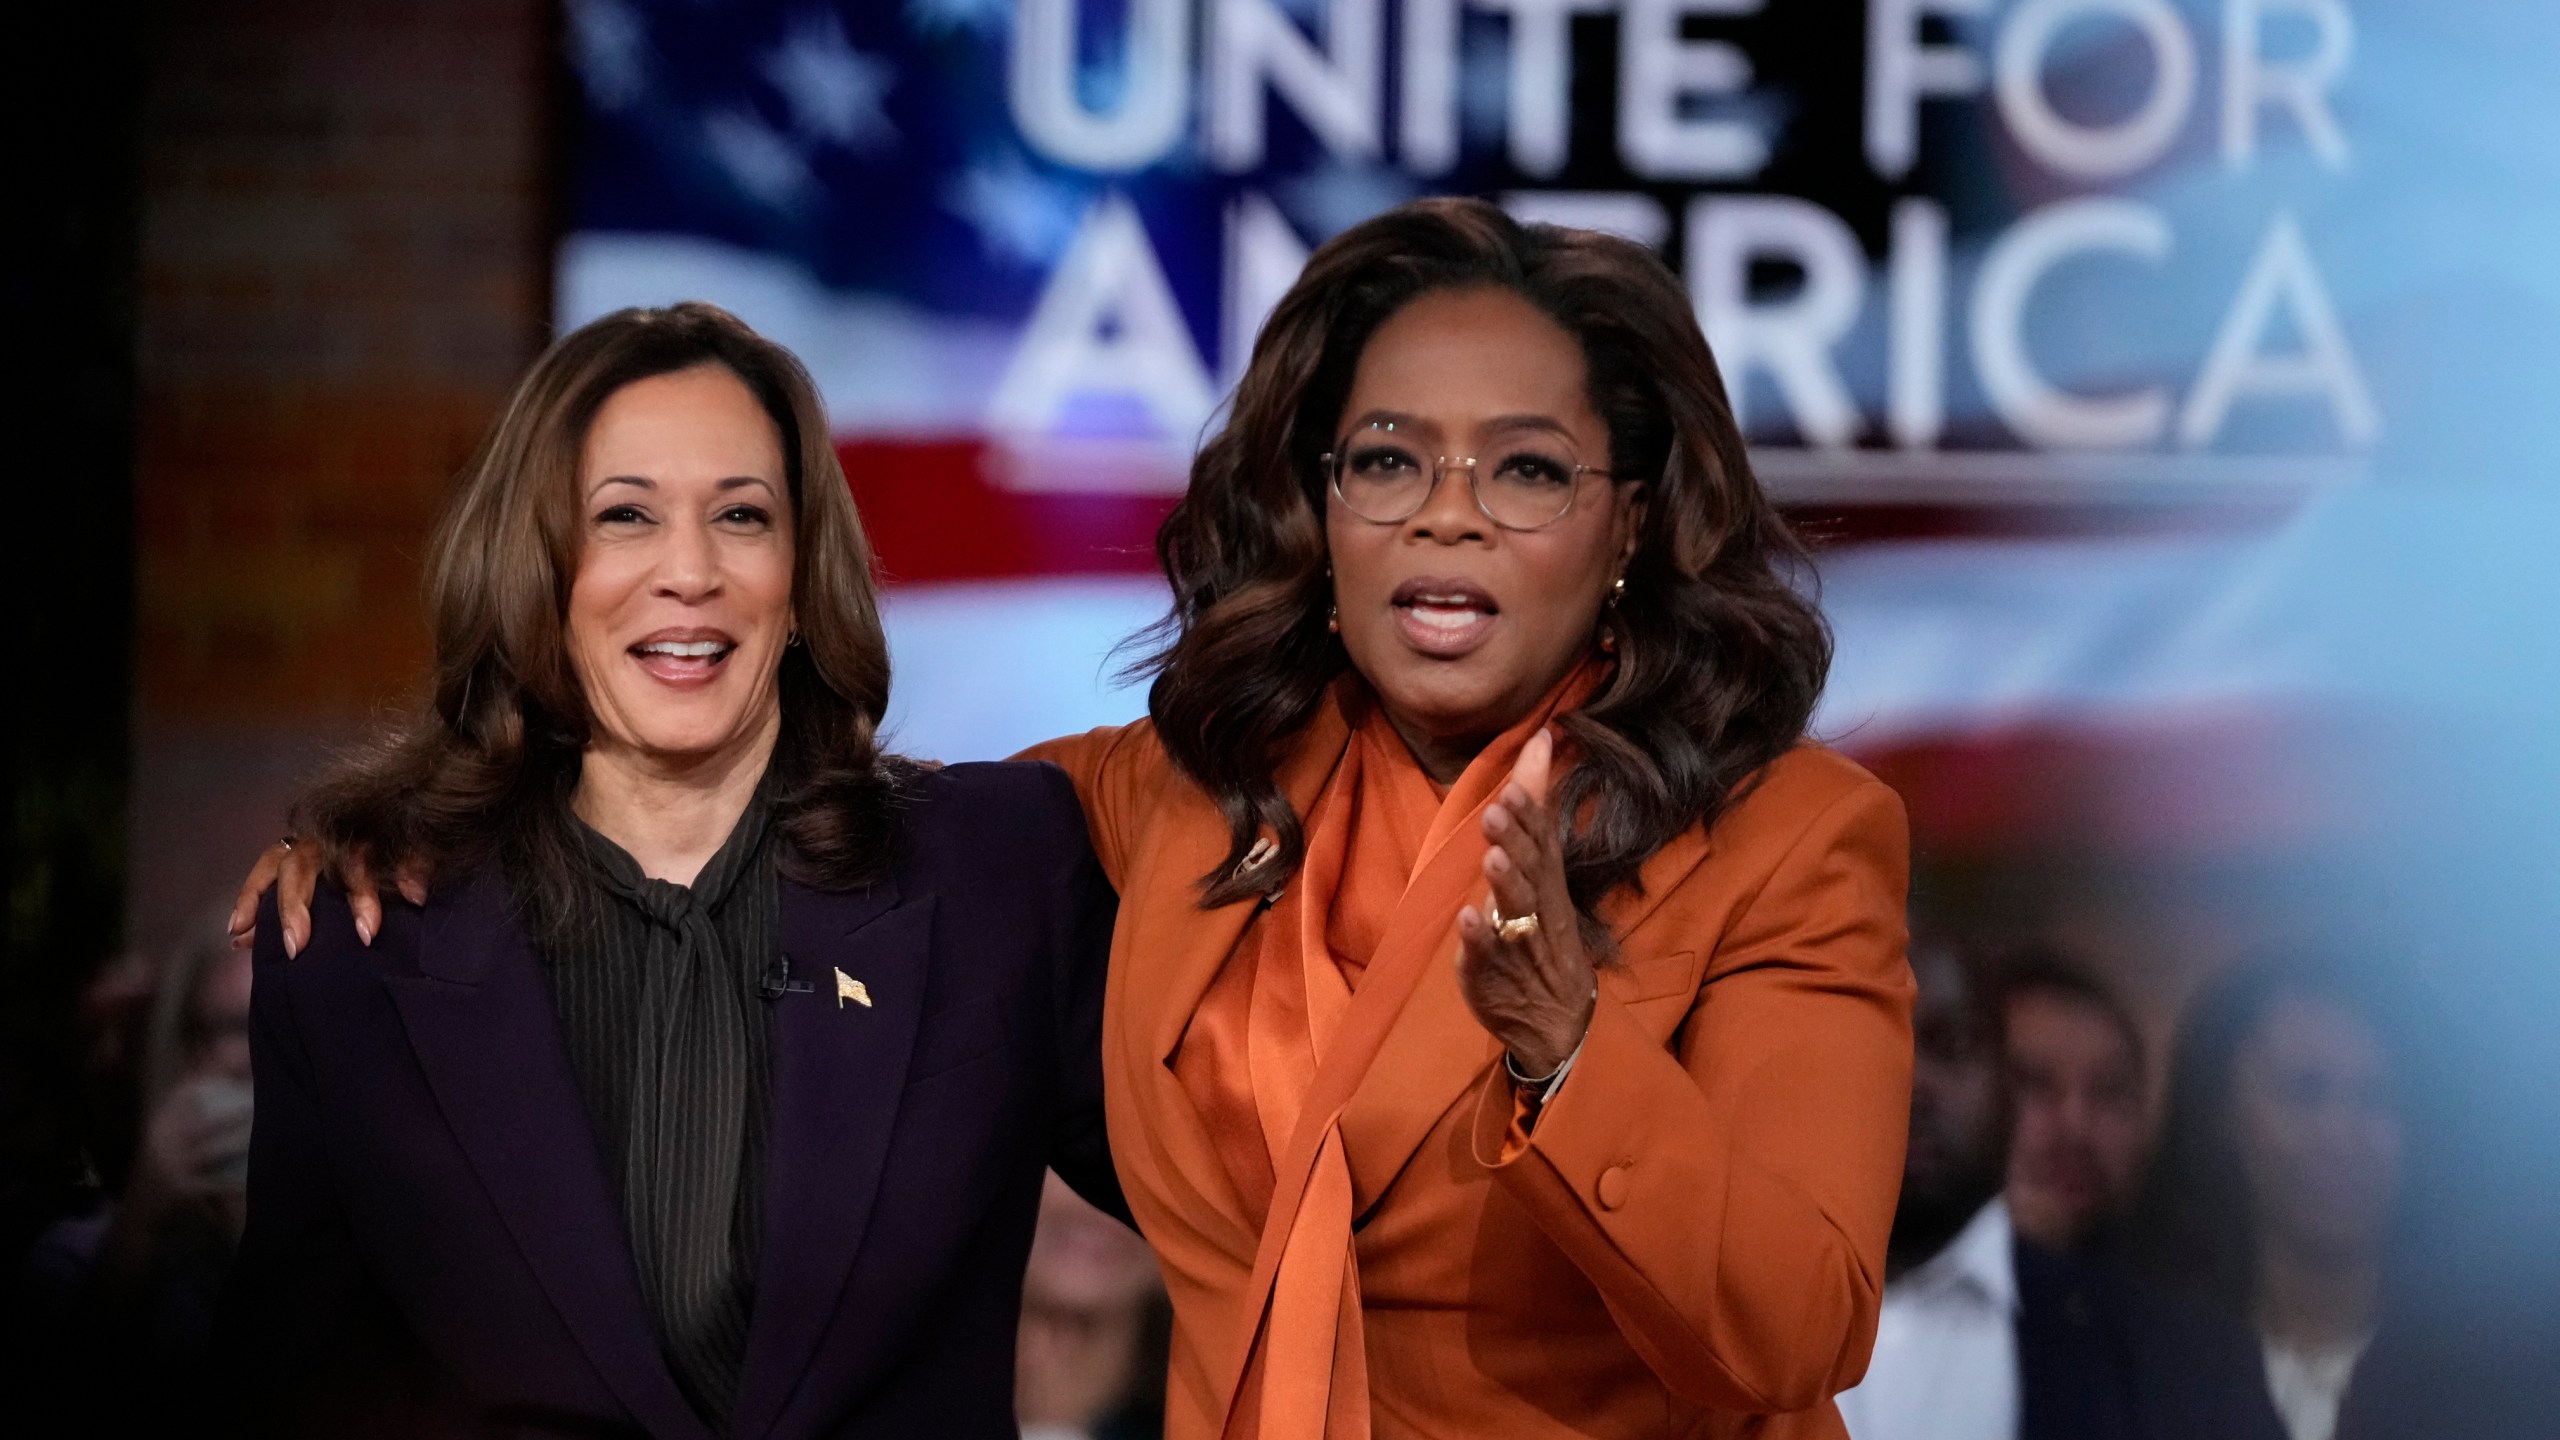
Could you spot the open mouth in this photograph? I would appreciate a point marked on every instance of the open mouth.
(691, 657)
(1444, 618)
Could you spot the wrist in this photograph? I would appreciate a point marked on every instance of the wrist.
(1539, 1071)
(1529, 1075)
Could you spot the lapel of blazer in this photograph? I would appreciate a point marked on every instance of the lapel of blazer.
(482, 1023)
(1185, 947)
(1164, 956)
(1435, 1052)
(1438, 1050)
(1381, 1011)
(839, 1072)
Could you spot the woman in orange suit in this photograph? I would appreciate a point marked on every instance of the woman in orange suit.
(1508, 1032)
(1446, 1118)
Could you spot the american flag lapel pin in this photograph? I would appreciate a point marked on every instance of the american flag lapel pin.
(848, 988)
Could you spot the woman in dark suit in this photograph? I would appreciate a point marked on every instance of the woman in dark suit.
(710, 1090)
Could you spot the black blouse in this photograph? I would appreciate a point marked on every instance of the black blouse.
(673, 1054)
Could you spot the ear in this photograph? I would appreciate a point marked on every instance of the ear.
(1630, 522)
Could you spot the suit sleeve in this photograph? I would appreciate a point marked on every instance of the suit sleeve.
(1086, 908)
(1729, 1195)
(283, 1315)
(1116, 770)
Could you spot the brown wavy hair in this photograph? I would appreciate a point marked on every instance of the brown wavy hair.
(1720, 657)
(486, 767)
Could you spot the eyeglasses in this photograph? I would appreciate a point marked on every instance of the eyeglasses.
(1381, 478)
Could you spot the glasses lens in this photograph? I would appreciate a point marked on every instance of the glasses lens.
(1527, 488)
(1380, 479)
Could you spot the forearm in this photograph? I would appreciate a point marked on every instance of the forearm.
(1733, 1283)
(1727, 1180)
(1080, 1147)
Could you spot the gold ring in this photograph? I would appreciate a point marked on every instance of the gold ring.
(1517, 927)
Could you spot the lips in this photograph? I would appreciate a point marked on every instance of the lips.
(684, 658)
(1444, 618)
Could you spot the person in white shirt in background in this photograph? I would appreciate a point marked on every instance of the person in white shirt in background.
(1987, 1334)
(1946, 1355)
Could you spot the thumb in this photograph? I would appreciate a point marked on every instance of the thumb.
(1537, 759)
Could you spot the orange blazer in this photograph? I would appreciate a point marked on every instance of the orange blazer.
(1689, 1241)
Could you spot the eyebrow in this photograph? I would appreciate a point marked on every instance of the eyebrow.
(1496, 425)
(1529, 422)
(643, 482)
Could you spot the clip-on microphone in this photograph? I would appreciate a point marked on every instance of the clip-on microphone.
(777, 981)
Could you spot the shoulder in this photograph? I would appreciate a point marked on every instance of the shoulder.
(1030, 794)
(1812, 774)
(335, 966)
(1112, 764)
(1810, 834)
(1810, 790)
(990, 812)
(1125, 780)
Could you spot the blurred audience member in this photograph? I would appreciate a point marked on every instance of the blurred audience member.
(2280, 1178)
(2075, 1072)
(1946, 1353)
(116, 1303)
(115, 1018)
(1988, 1335)
(1090, 1364)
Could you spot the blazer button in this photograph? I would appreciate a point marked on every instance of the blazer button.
(1613, 1187)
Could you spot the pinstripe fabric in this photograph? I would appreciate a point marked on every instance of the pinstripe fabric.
(672, 1051)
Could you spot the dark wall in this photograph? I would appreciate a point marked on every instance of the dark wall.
(70, 91)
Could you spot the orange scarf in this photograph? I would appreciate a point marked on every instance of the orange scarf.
(1287, 1031)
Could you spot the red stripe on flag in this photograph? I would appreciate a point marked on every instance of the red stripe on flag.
(2218, 782)
(933, 515)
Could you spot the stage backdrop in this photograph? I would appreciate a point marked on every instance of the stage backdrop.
(1965, 260)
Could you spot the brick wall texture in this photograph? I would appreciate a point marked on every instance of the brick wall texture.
(345, 260)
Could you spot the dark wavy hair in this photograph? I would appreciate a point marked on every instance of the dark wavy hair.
(487, 765)
(1720, 658)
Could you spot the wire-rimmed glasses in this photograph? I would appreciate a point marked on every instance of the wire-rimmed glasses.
(1382, 477)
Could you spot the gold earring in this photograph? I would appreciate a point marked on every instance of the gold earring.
(1333, 619)
(1618, 590)
(793, 638)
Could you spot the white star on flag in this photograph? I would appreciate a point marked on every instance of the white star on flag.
(836, 92)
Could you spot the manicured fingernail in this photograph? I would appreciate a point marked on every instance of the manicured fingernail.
(364, 929)
(292, 947)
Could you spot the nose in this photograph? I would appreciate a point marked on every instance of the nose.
(1449, 514)
(688, 566)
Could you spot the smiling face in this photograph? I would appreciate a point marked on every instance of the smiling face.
(1458, 623)
(682, 601)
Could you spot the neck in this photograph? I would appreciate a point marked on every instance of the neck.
(1443, 758)
(672, 813)
(2316, 1301)
(1925, 1225)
